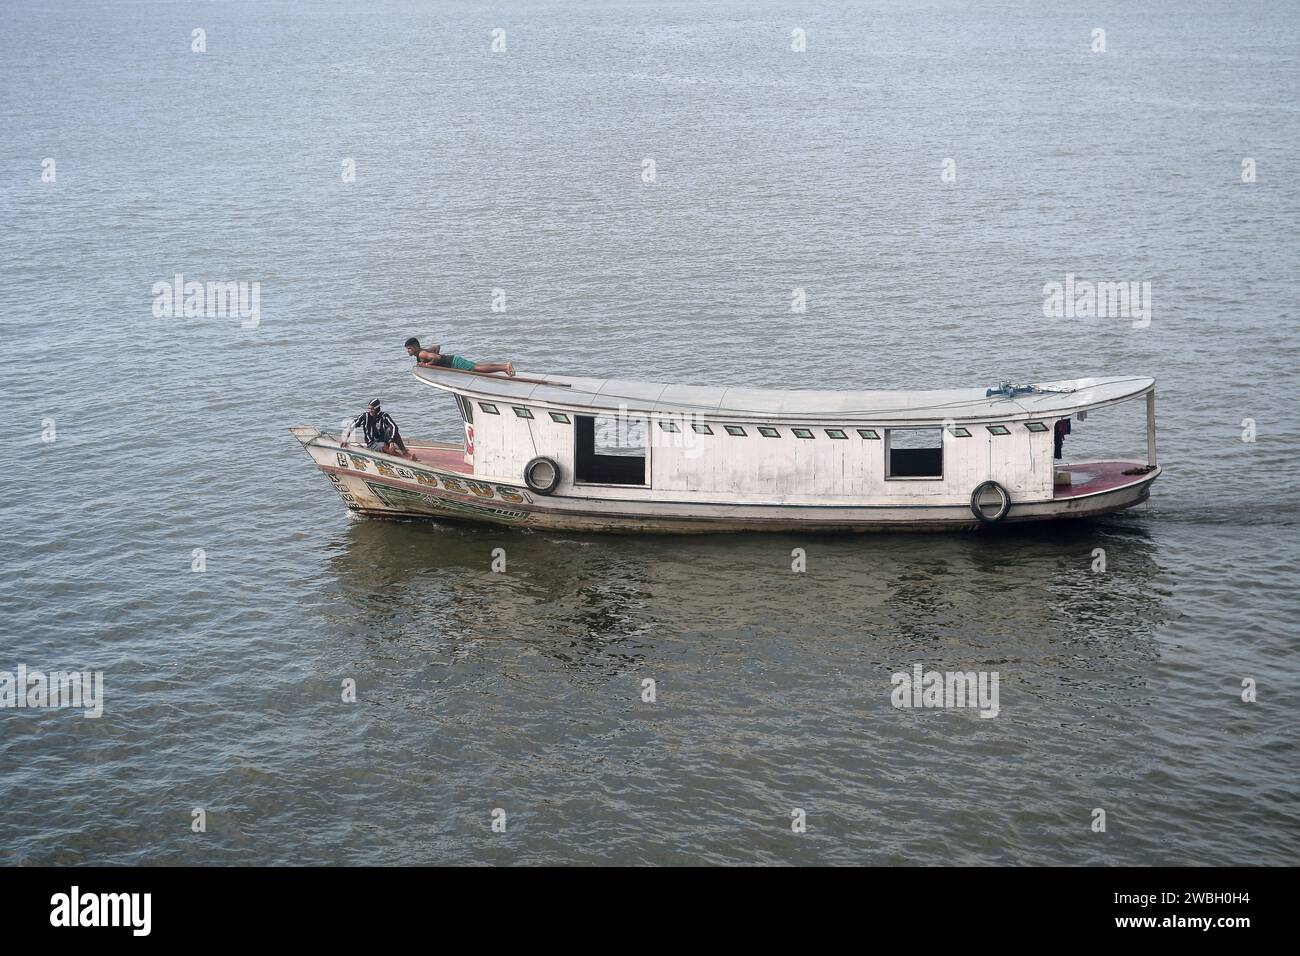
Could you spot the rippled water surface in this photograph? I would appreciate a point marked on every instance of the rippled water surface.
(522, 171)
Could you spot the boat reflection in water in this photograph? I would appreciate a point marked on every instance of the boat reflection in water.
(679, 694)
(607, 604)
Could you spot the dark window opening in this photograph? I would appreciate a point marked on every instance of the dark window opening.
(735, 430)
(466, 409)
(767, 431)
(802, 432)
(617, 458)
(914, 453)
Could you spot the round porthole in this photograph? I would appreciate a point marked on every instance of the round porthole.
(542, 474)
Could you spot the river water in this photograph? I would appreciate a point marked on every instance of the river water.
(381, 171)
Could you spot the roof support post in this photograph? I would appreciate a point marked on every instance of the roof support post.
(1151, 427)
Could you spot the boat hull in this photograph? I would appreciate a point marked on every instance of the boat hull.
(383, 486)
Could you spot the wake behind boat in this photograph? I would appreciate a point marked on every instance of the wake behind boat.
(587, 454)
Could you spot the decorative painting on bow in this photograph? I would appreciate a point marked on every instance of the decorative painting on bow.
(459, 485)
(404, 500)
(342, 489)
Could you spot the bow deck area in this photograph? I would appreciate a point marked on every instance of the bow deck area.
(440, 455)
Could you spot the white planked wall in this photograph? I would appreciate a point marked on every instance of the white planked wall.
(786, 469)
(505, 443)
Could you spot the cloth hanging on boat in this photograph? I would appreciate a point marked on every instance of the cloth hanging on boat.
(1059, 432)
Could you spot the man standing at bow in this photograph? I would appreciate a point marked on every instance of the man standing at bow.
(378, 431)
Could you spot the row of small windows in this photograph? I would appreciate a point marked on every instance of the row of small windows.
(769, 431)
(871, 434)
(522, 412)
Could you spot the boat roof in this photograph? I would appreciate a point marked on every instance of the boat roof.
(609, 395)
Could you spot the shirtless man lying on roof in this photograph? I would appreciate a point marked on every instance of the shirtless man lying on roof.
(432, 357)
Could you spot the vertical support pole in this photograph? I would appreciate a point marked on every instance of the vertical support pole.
(1151, 427)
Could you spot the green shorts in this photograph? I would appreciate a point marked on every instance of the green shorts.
(464, 364)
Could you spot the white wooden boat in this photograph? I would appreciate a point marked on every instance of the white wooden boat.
(589, 454)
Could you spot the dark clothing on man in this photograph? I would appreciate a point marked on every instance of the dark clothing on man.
(379, 429)
(446, 361)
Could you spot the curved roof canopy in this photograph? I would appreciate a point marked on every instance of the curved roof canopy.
(608, 395)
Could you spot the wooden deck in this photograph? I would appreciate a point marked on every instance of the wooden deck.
(1092, 476)
(440, 455)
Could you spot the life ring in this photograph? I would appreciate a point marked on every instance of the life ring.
(542, 474)
(979, 512)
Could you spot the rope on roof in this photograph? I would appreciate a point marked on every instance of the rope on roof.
(1011, 390)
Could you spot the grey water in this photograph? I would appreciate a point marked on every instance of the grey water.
(380, 170)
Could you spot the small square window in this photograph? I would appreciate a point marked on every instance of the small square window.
(560, 417)
(1036, 426)
(870, 433)
(835, 433)
(767, 431)
(998, 429)
(956, 431)
(735, 430)
(802, 432)
(489, 408)
(669, 426)
(522, 412)
(702, 429)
